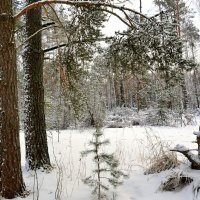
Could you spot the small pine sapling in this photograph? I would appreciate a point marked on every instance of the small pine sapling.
(106, 170)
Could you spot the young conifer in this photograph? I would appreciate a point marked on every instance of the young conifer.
(106, 170)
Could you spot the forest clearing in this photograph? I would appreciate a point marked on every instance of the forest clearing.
(99, 100)
(131, 147)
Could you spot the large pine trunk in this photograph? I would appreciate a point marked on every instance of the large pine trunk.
(37, 155)
(11, 181)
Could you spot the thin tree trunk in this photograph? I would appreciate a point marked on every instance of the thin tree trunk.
(138, 96)
(168, 101)
(37, 155)
(66, 109)
(178, 18)
(98, 168)
(117, 92)
(140, 10)
(122, 98)
(185, 96)
(11, 181)
(113, 94)
(195, 80)
(196, 88)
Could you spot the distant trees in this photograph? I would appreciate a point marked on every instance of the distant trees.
(150, 49)
(145, 67)
(187, 32)
(70, 68)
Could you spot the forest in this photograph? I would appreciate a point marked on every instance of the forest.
(99, 100)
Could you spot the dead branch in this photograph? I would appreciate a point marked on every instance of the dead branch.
(42, 29)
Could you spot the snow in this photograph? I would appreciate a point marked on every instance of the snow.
(197, 133)
(129, 145)
(181, 148)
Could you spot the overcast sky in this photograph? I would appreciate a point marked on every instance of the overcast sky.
(148, 8)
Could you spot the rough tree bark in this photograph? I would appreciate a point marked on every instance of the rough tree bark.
(11, 181)
(37, 155)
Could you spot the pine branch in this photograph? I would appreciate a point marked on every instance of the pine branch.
(94, 143)
(75, 42)
(86, 152)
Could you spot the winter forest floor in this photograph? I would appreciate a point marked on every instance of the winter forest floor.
(131, 146)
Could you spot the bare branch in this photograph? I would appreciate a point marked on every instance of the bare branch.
(42, 29)
(86, 4)
(113, 13)
(128, 18)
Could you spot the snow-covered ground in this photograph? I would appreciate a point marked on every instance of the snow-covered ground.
(64, 182)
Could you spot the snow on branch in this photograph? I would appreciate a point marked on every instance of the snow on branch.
(197, 133)
(193, 158)
(195, 161)
(180, 148)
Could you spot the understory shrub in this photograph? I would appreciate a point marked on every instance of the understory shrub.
(158, 156)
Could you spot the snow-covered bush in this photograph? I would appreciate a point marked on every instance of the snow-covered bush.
(158, 117)
(57, 116)
(122, 117)
(168, 117)
(153, 116)
(159, 157)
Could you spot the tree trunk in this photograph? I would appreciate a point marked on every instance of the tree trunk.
(122, 99)
(195, 82)
(141, 10)
(184, 92)
(37, 155)
(11, 181)
(178, 18)
(117, 92)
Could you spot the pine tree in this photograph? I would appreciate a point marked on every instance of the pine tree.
(181, 14)
(106, 166)
(37, 155)
(11, 181)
